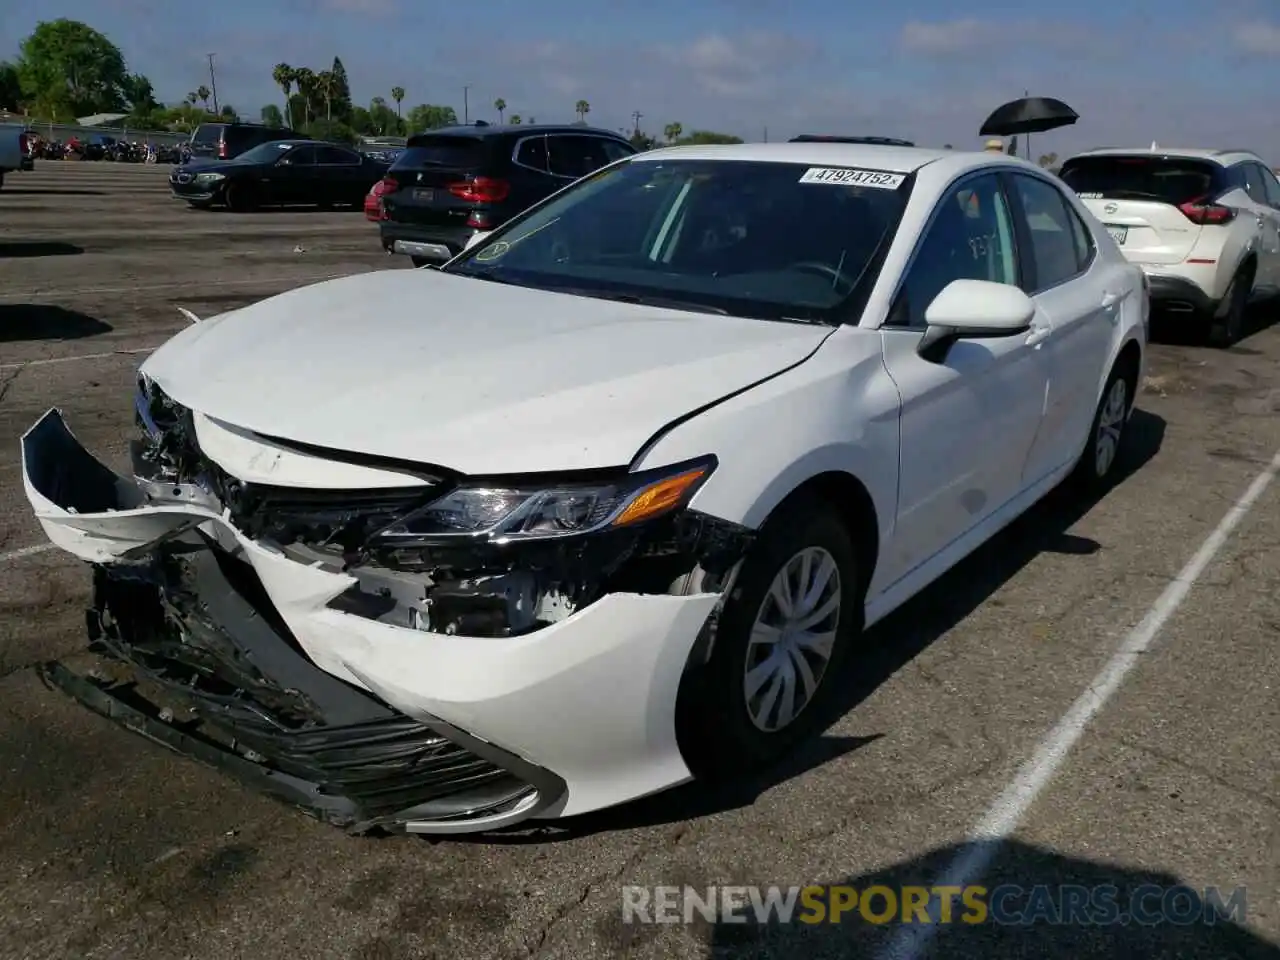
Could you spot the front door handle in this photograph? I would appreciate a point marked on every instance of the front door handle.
(1109, 300)
(1038, 335)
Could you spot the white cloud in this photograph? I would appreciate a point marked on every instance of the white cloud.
(1258, 37)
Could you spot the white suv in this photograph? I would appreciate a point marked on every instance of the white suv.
(1203, 224)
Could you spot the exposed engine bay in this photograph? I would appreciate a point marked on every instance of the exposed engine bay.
(474, 587)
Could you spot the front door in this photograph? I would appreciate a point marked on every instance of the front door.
(967, 421)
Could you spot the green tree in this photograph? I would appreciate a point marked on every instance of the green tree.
(333, 130)
(1048, 160)
(339, 104)
(672, 132)
(191, 99)
(501, 106)
(515, 119)
(228, 112)
(327, 89)
(708, 136)
(383, 119)
(305, 78)
(272, 117)
(397, 94)
(533, 119)
(642, 141)
(582, 108)
(430, 116)
(68, 69)
(203, 95)
(283, 76)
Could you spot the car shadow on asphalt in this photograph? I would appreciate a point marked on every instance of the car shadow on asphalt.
(41, 321)
(888, 647)
(38, 249)
(1174, 329)
(1029, 896)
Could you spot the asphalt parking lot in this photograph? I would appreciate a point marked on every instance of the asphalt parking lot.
(114, 848)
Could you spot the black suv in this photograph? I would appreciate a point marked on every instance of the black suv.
(454, 182)
(222, 141)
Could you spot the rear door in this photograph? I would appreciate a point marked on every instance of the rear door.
(294, 176)
(1138, 199)
(339, 175)
(436, 179)
(1256, 178)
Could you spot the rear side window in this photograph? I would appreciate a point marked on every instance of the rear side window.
(337, 156)
(570, 156)
(1055, 245)
(616, 149)
(532, 153)
(208, 133)
(437, 151)
(1253, 182)
(1272, 186)
(1162, 179)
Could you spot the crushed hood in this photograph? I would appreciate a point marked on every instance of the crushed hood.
(467, 374)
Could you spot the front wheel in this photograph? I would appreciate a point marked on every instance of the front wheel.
(781, 641)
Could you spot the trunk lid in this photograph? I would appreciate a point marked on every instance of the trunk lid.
(1137, 197)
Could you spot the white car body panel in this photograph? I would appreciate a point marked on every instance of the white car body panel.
(490, 379)
(475, 376)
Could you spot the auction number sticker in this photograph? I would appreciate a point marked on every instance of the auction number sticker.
(847, 177)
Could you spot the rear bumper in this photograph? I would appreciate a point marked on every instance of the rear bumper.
(1179, 295)
(437, 243)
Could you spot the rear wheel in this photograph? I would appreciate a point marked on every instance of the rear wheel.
(781, 642)
(1226, 326)
(1097, 465)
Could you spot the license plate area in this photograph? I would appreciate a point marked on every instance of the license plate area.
(1118, 233)
(424, 194)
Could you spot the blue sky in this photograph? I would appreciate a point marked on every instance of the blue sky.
(1172, 71)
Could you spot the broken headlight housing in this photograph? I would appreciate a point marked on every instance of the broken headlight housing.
(503, 513)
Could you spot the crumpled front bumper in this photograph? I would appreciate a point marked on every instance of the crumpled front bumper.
(584, 707)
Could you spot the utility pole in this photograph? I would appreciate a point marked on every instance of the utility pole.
(466, 104)
(635, 119)
(766, 134)
(213, 83)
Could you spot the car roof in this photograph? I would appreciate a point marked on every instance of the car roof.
(873, 156)
(514, 129)
(1223, 158)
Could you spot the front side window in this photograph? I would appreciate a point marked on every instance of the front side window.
(971, 237)
(1054, 253)
(1272, 187)
(740, 237)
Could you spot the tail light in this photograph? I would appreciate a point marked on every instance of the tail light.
(374, 208)
(222, 150)
(481, 190)
(1206, 214)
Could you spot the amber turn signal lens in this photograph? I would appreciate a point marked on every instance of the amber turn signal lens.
(657, 499)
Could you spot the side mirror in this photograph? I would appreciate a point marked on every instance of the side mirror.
(284, 162)
(476, 238)
(974, 310)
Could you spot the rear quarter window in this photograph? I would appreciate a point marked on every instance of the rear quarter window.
(1163, 179)
(208, 133)
(454, 152)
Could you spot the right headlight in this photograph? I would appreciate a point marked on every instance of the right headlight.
(499, 512)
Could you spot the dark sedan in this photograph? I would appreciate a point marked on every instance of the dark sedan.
(279, 173)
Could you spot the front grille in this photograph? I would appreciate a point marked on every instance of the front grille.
(248, 693)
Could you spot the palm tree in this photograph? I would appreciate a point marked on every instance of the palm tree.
(515, 119)
(326, 85)
(283, 76)
(203, 95)
(501, 106)
(533, 119)
(192, 98)
(305, 78)
(672, 132)
(397, 94)
(582, 108)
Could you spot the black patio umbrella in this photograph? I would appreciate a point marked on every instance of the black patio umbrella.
(1028, 115)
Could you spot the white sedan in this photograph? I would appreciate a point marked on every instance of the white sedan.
(605, 502)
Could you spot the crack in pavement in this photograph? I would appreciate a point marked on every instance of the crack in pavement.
(8, 381)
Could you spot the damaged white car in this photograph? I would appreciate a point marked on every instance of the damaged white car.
(604, 502)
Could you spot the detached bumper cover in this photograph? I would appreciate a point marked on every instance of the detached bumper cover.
(359, 720)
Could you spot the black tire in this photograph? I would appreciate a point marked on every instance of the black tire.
(1226, 326)
(239, 197)
(715, 725)
(199, 204)
(1095, 470)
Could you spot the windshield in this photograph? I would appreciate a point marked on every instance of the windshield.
(1163, 179)
(770, 240)
(265, 152)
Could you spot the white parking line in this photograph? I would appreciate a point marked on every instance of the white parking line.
(26, 552)
(79, 356)
(1012, 805)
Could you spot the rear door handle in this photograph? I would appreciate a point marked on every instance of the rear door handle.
(1109, 300)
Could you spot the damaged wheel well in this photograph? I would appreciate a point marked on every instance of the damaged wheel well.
(850, 499)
